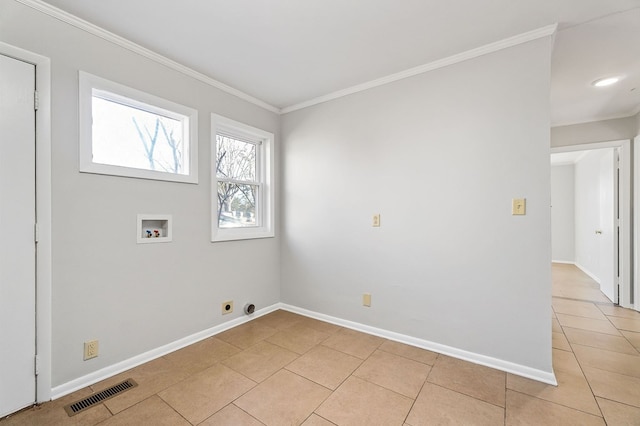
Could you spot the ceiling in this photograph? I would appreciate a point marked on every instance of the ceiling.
(285, 52)
(563, 158)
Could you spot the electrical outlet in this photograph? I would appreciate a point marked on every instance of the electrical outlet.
(366, 299)
(227, 307)
(376, 220)
(90, 349)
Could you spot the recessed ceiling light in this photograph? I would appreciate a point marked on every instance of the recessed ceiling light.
(602, 82)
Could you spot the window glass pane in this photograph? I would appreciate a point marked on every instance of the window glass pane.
(236, 159)
(236, 205)
(130, 137)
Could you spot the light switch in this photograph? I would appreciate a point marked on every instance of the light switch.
(519, 206)
(366, 299)
(376, 220)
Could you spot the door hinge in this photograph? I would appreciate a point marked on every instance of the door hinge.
(36, 233)
(36, 100)
(36, 364)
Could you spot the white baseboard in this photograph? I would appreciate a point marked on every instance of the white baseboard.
(566, 262)
(498, 364)
(586, 271)
(112, 370)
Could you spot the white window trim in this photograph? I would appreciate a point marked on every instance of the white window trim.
(87, 84)
(265, 170)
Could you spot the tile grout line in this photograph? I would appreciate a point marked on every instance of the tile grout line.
(417, 396)
(561, 405)
(239, 408)
(584, 375)
(405, 357)
(506, 377)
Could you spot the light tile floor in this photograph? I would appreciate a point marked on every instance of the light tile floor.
(285, 369)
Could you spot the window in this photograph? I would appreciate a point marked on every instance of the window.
(126, 132)
(242, 176)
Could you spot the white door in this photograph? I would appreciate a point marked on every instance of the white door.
(17, 247)
(607, 232)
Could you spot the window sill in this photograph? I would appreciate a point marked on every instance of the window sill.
(127, 172)
(221, 235)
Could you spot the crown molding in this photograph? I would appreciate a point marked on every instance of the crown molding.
(549, 30)
(81, 24)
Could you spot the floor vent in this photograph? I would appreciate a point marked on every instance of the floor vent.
(97, 398)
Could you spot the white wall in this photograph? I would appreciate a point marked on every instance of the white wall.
(562, 213)
(131, 297)
(587, 207)
(439, 156)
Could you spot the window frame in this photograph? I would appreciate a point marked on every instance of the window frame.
(265, 204)
(89, 85)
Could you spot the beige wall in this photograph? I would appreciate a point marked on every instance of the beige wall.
(596, 131)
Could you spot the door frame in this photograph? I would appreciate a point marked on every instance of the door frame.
(625, 240)
(635, 152)
(43, 216)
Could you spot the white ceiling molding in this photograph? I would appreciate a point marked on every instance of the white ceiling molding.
(81, 24)
(549, 30)
(588, 146)
(120, 41)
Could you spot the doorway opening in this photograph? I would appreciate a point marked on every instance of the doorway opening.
(591, 214)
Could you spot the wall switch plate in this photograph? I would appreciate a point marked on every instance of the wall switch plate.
(519, 206)
(376, 220)
(366, 299)
(227, 307)
(90, 349)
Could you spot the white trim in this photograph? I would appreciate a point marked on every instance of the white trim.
(112, 370)
(43, 202)
(136, 48)
(636, 218)
(564, 262)
(265, 176)
(498, 364)
(625, 234)
(91, 86)
(589, 273)
(549, 30)
(588, 146)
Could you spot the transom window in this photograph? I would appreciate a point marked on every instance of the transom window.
(126, 132)
(242, 177)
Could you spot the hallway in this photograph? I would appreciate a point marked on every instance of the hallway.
(596, 351)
